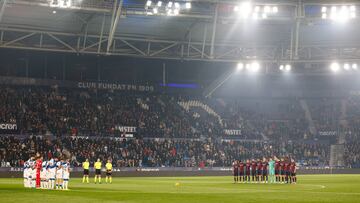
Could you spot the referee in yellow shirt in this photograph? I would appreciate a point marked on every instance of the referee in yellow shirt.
(97, 167)
(108, 167)
(86, 166)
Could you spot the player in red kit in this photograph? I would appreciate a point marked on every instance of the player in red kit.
(277, 169)
(293, 171)
(241, 172)
(247, 170)
(265, 170)
(236, 171)
(38, 167)
(259, 171)
(253, 171)
(282, 171)
(287, 171)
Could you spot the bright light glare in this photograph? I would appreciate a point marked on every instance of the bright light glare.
(148, 3)
(255, 16)
(346, 66)
(264, 16)
(288, 67)
(281, 67)
(324, 16)
(267, 9)
(239, 67)
(177, 5)
(155, 10)
(257, 8)
(187, 5)
(354, 66)
(255, 66)
(176, 12)
(170, 4)
(323, 9)
(169, 12)
(275, 9)
(333, 9)
(352, 8)
(245, 9)
(335, 67)
(159, 3)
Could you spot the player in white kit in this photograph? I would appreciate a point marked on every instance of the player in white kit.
(66, 174)
(43, 176)
(59, 175)
(26, 174)
(31, 172)
(51, 173)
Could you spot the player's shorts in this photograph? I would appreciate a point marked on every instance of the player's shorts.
(86, 172)
(287, 173)
(241, 173)
(277, 172)
(264, 172)
(236, 172)
(253, 173)
(59, 174)
(108, 173)
(293, 174)
(26, 173)
(97, 171)
(259, 172)
(43, 175)
(247, 172)
(66, 175)
(282, 172)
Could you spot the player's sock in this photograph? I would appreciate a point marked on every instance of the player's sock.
(95, 179)
(100, 179)
(83, 179)
(87, 179)
(110, 179)
(106, 179)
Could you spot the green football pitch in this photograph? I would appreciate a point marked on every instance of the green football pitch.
(310, 188)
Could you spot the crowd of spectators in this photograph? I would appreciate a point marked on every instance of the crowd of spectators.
(155, 152)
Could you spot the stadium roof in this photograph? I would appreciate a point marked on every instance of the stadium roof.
(210, 31)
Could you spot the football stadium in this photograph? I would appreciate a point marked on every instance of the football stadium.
(179, 101)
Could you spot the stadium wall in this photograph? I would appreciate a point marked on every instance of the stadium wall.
(168, 172)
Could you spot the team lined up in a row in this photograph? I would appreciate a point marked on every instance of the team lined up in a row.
(52, 174)
(272, 170)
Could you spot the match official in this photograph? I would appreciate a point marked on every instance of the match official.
(86, 166)
(108, 167)
(97, 167)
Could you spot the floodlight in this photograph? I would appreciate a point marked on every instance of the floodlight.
(281, 67)
(239, 67)
(245, 9)
(187, 5)
(335, 67)
(352, 8)
(148, 3)
(257, 8)
(287, 67)
(54, 12)
(155, 10)
(176, 11)
(177, 5)
(169, 12)
(333, 9)
(255, 66)
(267, 9)
(346, 66)
(354, 66)
(275, 9)
(264, 15)
(324, 16)
(236, 8)
(248, 66)
(324, 9)
(159, 3)
(170, 4)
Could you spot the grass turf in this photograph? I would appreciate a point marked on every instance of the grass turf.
(310, 188)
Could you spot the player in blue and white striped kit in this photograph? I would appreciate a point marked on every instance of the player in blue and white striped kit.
(26, 174)
(51, 173)
(66, 174)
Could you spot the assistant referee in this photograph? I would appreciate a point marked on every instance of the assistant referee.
(86, 166)
(97, 167)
